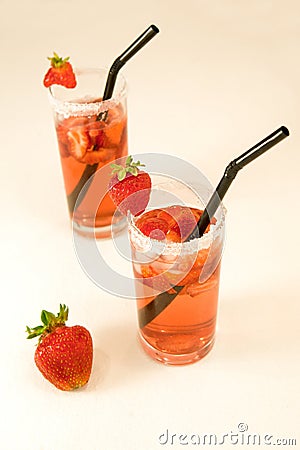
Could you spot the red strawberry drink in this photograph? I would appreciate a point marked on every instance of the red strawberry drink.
(177, 282)
(90, 134)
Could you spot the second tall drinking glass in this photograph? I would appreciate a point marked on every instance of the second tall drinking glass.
(91, 133)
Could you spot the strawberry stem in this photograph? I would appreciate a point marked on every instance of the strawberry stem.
(50, 322)
(57, 61)
(130, 167)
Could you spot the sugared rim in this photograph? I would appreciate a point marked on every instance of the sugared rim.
(168, 248)
(73, 108)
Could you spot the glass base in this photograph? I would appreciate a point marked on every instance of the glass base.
(100, 232)
(172, 359)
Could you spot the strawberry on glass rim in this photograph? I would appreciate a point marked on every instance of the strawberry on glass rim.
(64, 354)
(61, 72)
(130, 187)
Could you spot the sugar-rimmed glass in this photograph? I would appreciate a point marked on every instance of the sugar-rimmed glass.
(91, 133)
(177, 326)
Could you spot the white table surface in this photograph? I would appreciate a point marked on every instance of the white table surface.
(219, 77)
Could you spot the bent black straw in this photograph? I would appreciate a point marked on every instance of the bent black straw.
(159, 303)
(126, 56)
(230, 174)
(119, 62)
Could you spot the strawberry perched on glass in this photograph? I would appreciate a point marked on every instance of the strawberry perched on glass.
(61, 72)
(130, 187)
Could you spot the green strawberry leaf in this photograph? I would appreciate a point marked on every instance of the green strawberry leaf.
(47, 317)
(122, 174)
(50, 322)
(130, 167)
(115, 166)
(133, 170)
(129, 160)
(34, 332)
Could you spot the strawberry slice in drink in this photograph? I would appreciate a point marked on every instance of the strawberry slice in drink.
(95, 130)
(155, 228)
(174, 224)
(113, 134)
(78, 142)
(62, 129)
(102, 155)
(157, 282)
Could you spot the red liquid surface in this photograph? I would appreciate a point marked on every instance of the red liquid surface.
(83, 141)
(184, 331)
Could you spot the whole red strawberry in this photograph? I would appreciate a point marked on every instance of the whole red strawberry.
(130, 187)
(60, 72)
(64, 354)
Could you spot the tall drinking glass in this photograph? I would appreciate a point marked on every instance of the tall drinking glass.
(177, 283)
(91, 133)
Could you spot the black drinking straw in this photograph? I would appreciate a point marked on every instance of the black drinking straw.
(119, 62)
(125, 56)
(159, 303)
(230, 174)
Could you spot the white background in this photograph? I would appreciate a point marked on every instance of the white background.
(218, 78)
